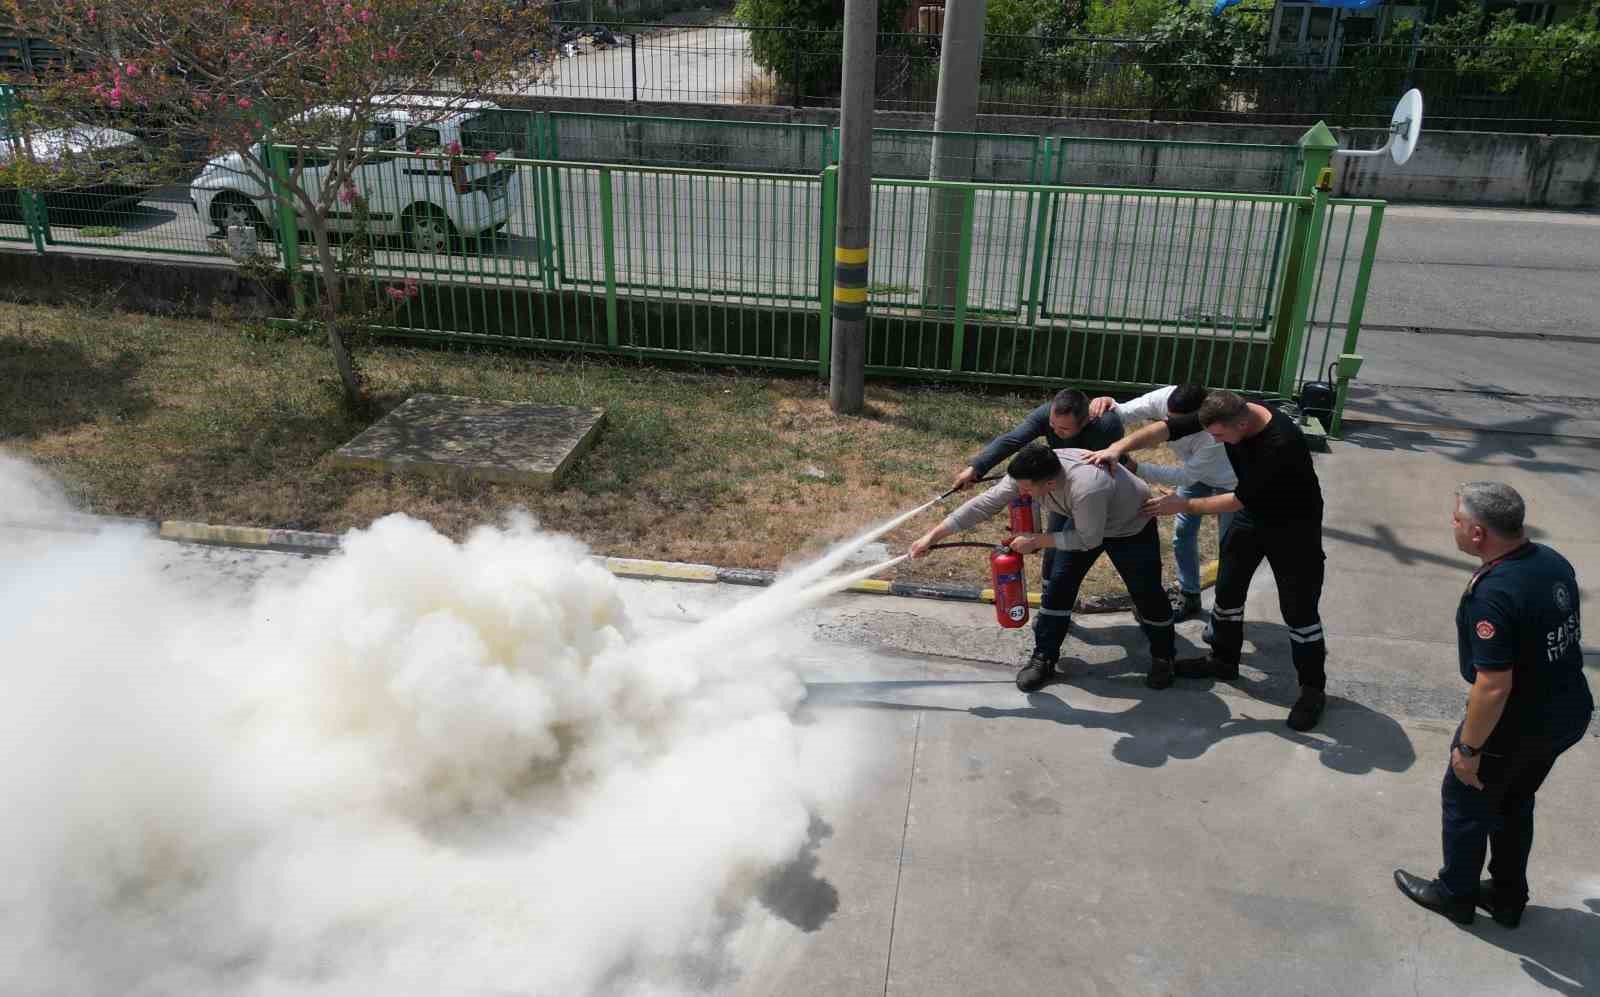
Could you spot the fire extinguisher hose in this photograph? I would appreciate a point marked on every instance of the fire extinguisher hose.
(992, 477)
(964, 543)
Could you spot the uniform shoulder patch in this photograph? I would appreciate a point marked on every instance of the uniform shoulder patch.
(1484, 630)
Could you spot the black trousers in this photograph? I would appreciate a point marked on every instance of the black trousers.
(1497, 819)
(1295, 553)
(1138, 560)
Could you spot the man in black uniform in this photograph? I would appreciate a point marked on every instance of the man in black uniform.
(1517, 637)
(1278, 517)
(1063, 421)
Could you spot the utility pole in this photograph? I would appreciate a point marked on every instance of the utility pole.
(848, 356)
(960, 57)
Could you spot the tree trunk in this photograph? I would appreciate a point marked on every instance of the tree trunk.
(332, 298)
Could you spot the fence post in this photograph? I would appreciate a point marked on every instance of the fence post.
(633, 55)
(830, 210)
(963, 278)
(608, 243)
(1294, 291)
(1358, 308)
(35, 217)
(288, 227)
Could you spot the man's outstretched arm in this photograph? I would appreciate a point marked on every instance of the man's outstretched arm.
(1141, 439)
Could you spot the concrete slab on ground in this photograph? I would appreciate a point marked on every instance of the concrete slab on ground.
(474, 437)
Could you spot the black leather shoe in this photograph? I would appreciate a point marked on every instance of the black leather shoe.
(1036, 673)
(1160, 675)
(1208, 667)
(1425, 892)
(1503, 909)
(1307, 709)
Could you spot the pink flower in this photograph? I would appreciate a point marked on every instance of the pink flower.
(341, 35)
(477, 55)
(490, 157)
(393, 52)
(411, 287)
(91, 15)
(396, 293)
(347, 194)
(454, 148)
(349, 10)
(244, 103)
(365, 16)
(133, 69)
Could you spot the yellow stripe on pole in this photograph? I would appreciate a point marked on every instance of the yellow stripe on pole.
(842, 255)
(850, 295)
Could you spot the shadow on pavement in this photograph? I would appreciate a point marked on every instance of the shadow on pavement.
(795, 892)
(1559, 946)
(1181, 723)
(1514, 443)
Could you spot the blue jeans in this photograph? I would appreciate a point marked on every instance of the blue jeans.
(1186, 537)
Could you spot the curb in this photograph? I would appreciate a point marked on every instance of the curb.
(305, 542)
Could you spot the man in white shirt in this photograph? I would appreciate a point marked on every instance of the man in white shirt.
(1205, 471)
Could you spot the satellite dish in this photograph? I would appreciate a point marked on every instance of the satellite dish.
(1405, 128)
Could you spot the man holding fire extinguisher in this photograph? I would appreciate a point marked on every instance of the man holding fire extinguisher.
(1105, 507)
(1063, 421)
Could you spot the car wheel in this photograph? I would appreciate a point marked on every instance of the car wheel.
(236, 209)
(428, 229)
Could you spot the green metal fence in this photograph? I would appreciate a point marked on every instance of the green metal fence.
(1109, 287)
(989, 281)
(1235, 167)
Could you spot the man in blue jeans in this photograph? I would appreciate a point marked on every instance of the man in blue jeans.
(1519, 644)
(1104, 510)
(1063, 421)
(1204, 472)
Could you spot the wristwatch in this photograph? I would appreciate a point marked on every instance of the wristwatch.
(1467, 750)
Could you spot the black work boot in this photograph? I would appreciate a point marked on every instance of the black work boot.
(1208, 667)
(1160, 675)
(1185, 605)
(1426, 893)
(1506, 910)
(1037, 672)
(1307, 709)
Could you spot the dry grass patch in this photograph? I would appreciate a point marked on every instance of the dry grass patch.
(233, 423)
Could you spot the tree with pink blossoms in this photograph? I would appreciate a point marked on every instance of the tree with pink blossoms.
(216, 76)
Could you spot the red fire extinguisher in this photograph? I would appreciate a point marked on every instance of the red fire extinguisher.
(1010, 591)
(1021, 510)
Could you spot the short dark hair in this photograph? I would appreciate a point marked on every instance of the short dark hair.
(1071, 401)
(1185, 398)
(1034, 462)
(1221, 406)
(1494, 505)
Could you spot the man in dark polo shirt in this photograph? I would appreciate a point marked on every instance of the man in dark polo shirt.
(1064, 421)
(1278, 517)
(1518, 640)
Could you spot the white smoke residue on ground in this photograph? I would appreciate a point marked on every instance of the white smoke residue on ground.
(426, 768)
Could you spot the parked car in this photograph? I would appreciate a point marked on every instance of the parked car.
(92, 168)
(430, 203)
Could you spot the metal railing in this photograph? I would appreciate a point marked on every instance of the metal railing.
(1079, 76)
(989, 282)
(984, 280)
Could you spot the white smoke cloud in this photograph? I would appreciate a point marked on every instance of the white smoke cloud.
(424, 768)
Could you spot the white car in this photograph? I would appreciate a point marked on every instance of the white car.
(429, 202)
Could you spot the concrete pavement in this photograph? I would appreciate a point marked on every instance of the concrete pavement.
(1100, 838)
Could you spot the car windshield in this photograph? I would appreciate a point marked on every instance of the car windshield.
(494, 131)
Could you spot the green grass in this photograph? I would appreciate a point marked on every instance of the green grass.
(99, 232)
(229, 422)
